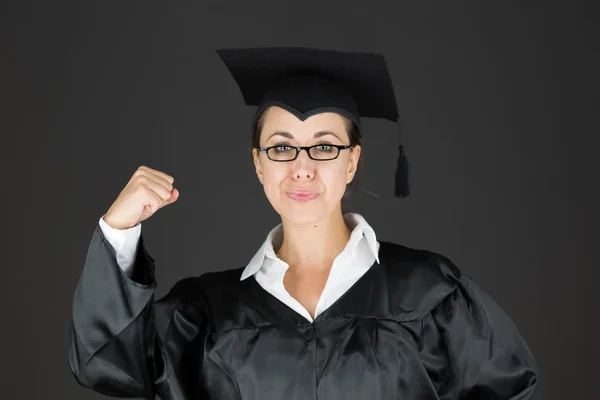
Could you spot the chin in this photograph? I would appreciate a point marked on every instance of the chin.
(304, 213)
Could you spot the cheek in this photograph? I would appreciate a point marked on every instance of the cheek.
(336, 179)
(272, 174)
(333, 179)
(273, 177)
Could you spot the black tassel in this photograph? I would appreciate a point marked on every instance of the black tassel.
(402, 188)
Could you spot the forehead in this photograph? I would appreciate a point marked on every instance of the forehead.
(277, 118)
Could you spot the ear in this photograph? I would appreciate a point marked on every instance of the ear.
(353, 163)
(257, 164)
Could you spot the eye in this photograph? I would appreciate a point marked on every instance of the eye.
(282, 146)
(324, 147)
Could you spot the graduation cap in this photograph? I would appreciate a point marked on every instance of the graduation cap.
(308, 81)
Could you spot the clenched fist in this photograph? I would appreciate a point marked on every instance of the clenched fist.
(147, 191)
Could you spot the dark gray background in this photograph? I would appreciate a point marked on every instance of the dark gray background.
(499, 105)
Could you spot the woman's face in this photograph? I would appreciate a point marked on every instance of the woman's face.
(327, 179)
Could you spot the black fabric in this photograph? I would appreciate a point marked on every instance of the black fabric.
(412, 327)
(402, 176)
(304, 80)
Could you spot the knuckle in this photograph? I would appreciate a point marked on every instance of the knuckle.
(142, 180)
(145, 190)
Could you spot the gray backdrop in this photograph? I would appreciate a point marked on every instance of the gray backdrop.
(499, 105)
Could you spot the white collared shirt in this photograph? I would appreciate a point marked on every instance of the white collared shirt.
(358, 256)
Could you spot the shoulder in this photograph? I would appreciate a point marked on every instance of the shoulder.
(212, 292)
(411, 265)
(208, 284)
(221, 296)
(426, 283)
(204, 297)
(418, 280)
(416, 260)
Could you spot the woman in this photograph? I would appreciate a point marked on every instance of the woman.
(323, 310)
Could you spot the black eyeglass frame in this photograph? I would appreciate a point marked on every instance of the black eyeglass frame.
(340, 147)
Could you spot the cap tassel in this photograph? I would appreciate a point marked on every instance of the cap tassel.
(402, 188)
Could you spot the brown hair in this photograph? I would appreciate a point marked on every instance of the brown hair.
(351, 129)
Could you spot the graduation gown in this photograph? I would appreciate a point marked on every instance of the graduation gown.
(412, 327)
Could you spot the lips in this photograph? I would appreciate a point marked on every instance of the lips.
(302, 194)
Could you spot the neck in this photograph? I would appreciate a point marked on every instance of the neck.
(316, 244)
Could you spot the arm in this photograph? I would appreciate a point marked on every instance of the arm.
(488, 357)
(124, 242)
(115, 349)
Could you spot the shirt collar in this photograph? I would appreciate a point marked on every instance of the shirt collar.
(354, 221)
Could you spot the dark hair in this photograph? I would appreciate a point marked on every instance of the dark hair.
(351, 129)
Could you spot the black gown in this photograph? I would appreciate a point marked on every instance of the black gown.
(412, 327)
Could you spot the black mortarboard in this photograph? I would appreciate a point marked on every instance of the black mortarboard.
(308, 81)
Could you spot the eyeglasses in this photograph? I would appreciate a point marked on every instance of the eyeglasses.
(319, 152)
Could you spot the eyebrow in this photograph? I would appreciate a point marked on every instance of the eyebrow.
(317, 135)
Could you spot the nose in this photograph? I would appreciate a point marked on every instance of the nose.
(303, 166)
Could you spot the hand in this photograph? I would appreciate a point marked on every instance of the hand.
(147, 191)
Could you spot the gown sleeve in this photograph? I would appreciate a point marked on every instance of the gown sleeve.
(118, 330)
(474, 349)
